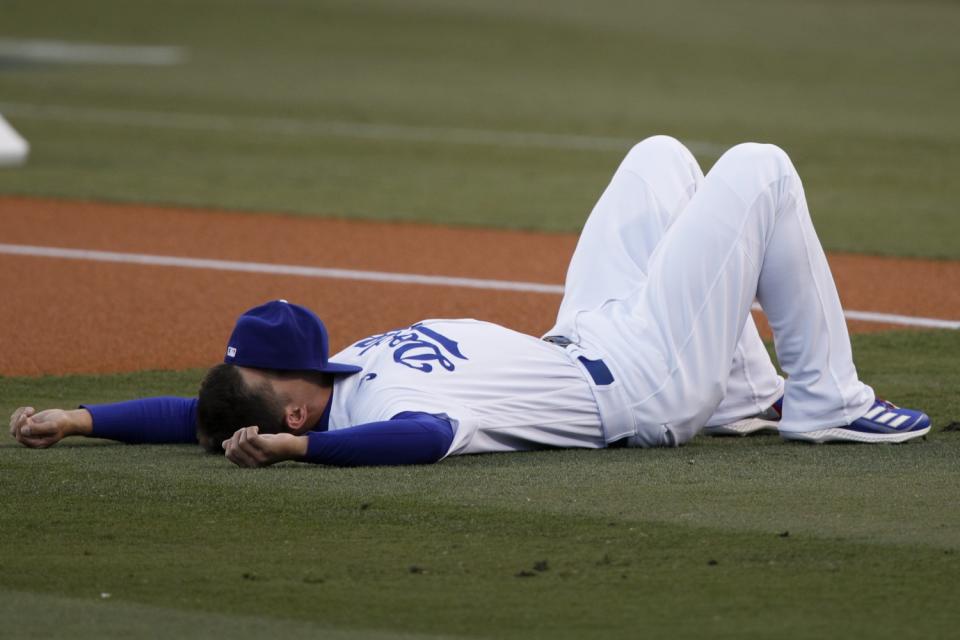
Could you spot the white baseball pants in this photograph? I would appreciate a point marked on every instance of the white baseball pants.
(661, 285)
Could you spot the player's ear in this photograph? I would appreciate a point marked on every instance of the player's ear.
(295, 416)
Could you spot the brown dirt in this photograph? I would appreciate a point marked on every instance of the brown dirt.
(65, 316)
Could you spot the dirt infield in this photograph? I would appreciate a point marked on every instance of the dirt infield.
(66, 316)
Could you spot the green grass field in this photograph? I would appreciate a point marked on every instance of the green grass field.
(501, 114)
(722, 538)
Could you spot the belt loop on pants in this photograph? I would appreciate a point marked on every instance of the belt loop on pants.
(597, 369)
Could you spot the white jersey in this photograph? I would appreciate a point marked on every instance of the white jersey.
(500, 389)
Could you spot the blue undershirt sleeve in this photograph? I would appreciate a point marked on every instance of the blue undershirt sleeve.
(163, 420)
(407, 438)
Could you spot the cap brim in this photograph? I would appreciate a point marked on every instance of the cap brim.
(343, 369)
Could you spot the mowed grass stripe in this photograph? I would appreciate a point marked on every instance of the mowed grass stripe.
(50, 616)
(275, 125)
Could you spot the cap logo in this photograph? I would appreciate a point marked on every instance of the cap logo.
(231, 352)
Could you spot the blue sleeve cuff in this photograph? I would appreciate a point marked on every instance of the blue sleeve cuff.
(407, 438)
(163, 420)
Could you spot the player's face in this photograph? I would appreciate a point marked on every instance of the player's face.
(261, 382)
(303, 396)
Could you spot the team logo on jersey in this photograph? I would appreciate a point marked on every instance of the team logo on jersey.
(417, 347)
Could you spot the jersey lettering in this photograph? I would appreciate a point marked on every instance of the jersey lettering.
(417, 347)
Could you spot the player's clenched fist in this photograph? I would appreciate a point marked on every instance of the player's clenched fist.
(46, 428)
(250, 448)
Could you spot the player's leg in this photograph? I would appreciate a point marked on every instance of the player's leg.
(646, 195)
(753, 388)
(747, 232)
(650, 188)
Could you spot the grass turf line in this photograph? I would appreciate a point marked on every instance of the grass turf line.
(673, 542)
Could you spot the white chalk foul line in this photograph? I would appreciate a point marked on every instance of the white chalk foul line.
(893, 318)
(275, 269)
(62, 52)
(330, 128)
(377, 276)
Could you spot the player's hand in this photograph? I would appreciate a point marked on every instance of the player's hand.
(46, 428)
(250, 448)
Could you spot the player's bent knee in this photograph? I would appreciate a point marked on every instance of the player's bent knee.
(658, 149)
(760, 155)
(658, 145)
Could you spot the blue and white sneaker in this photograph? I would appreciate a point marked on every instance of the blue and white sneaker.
(884, 422)
(766, 421)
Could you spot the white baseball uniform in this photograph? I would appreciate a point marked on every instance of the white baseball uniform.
(500, 389)
(657, 308)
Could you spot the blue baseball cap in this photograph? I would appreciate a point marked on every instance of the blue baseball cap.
(281, 335)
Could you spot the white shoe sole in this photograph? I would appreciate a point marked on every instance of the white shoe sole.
(839, 434)
(745, 427)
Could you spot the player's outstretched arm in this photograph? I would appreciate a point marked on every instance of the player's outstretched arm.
(39, 430)
(161, 420)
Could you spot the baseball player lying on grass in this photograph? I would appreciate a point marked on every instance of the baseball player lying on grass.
(653, 343)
